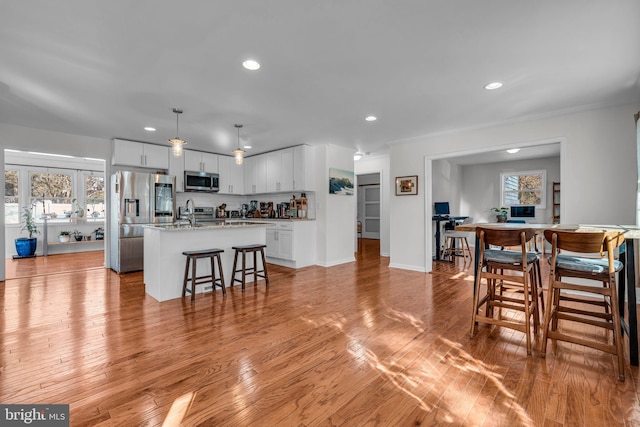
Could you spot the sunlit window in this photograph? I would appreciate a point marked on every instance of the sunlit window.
(51, 194)
(524, 188)
(94, 197)
(11, 200)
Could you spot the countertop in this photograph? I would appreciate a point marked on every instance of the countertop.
(206, 226)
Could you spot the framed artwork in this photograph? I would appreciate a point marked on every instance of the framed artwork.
(407, 185)
(341, 182)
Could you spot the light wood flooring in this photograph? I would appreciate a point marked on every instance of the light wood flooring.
(359, 344)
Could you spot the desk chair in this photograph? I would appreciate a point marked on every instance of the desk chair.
(602, 269)
(451, 249)
(510, 282)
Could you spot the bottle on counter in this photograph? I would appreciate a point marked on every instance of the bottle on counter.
(293, 207)
(302, 206)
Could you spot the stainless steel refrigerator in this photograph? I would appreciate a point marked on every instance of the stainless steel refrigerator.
(137, 199)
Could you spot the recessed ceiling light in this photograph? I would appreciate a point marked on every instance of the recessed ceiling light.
(247, 147)
(250, 64)
(513, 150)
(150, 129)
(357, 156)
(493, 85)
(371, 118)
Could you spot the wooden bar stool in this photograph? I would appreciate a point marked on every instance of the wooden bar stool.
(510, 282)
(249, 270)
(192, 257)
(572, 301)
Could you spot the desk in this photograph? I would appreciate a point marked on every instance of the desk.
(631, 233)
(438, 219)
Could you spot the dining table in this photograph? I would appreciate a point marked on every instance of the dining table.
(626, 279)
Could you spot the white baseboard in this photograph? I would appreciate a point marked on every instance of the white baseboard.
(408, 267)
(336, 262)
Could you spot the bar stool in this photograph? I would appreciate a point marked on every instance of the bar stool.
(452, 249)
(516, 291)
(582, 264)
(249, 270)
(192, 257)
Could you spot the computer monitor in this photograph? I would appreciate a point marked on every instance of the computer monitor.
(441, 208)
(523, 211)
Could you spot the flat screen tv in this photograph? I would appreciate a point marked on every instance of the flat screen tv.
(523, 211)
(441, 208)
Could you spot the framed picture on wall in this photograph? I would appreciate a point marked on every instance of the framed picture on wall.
(407, 185)
(341, 182)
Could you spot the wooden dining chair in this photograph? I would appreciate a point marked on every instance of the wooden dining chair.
(510, 281)
(578, 302)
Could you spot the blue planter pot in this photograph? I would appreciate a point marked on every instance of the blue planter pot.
(26, 246)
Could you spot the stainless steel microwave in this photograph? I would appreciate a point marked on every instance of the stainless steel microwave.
(200, 181)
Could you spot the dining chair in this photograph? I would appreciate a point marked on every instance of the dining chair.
(592, 258)
(452, 248)
(510, 281)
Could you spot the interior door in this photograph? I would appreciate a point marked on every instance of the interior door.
(371, 212)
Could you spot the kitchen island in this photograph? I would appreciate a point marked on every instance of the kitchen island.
(163, 246)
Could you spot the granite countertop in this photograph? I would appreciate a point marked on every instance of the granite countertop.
(206, 226)
(271, 219)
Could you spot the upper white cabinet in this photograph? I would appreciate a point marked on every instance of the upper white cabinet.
(231, 179)
(255, 174)
(130, 153)
(200, 161)
(176, 168)
(279, 165)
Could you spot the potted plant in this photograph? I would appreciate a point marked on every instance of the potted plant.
(64, 236)
(26, 246)
(501, 213)
(77, 235)
(77, 209)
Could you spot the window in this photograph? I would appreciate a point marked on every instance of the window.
(524, 188)
(51, 193)
(94, 197)
(11, 200)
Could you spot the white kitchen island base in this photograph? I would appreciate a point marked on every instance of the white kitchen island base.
(164, 263)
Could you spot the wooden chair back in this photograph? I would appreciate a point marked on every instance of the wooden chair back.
(512, 237)
(584, 242)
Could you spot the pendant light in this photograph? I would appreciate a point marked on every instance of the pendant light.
(238, 153)
(177, 143)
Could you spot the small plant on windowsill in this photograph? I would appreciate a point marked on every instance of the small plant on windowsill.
(501, 213)
(64, 236)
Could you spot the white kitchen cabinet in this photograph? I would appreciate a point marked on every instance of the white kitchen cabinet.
(279, 165)
(131, 153)
(303, 169)
(255, 174)
(200, 161)
(176, 168)
(231, 179)
(280, 241)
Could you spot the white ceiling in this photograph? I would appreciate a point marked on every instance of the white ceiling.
(109, 68)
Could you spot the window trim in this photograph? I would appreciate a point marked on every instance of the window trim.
(543, 189)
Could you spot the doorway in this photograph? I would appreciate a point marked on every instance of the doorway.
(369, 205)
(487, 155)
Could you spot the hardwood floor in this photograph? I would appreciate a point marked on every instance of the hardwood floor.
(356, 344)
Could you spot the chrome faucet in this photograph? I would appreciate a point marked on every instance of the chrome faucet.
(191, 214)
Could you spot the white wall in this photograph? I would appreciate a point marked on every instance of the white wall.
(381, 165)
(335, 214)
(598, 172)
